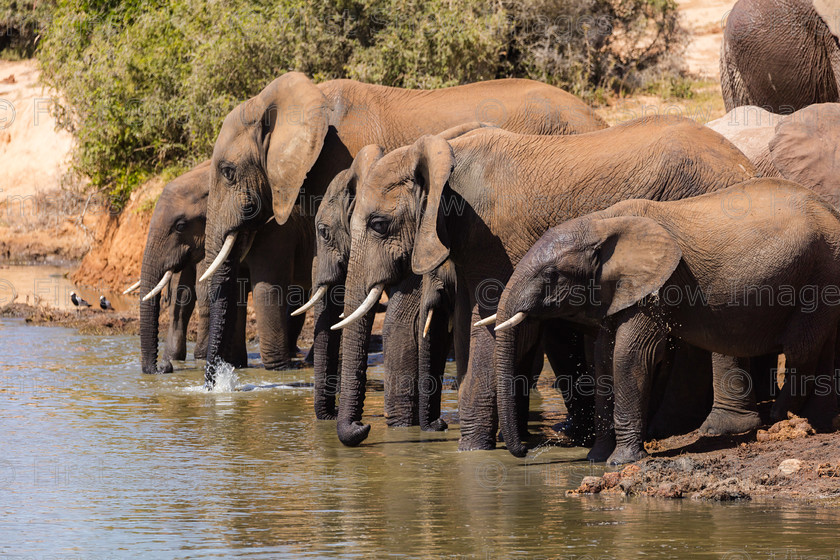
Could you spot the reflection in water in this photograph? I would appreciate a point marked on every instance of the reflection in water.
(49, 285)
(99, 459)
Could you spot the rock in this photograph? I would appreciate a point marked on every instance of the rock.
(792, 428)
(790, 466)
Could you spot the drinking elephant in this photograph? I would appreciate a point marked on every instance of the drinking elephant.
(801, 147)
(781, 55)
(642, 271)
(175, 249)
(404, 346)
(481, 200)
(279, 151)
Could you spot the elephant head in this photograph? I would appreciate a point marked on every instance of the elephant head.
(175, 241)
(265, 149)
(584, 270)
(396, 228)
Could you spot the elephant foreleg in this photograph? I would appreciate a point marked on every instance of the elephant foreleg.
(734, 410)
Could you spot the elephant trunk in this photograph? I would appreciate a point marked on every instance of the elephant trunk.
(151, 273)
(505, 360)
(355, 340)
(223, 299)
(326, 344)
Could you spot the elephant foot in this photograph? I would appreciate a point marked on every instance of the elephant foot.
(399, 422)
(602, 449)
(326, 415)
(627, 454)
(438, 425)
(352, 434)
(476, 444)
(572, 435)
(821, 411)
(721, 422)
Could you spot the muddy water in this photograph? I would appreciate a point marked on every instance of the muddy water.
(100, 461)
(50, 285)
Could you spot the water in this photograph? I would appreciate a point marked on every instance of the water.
(50, 285)
(101, 461)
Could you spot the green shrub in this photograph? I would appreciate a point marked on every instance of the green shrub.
(146, 85)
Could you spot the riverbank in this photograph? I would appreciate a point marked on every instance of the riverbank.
(786, 462)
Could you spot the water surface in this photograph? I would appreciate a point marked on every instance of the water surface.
(101, 461)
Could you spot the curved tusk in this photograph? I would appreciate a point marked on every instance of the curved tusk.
(132, 288)
(512, 322)
(220, 258)
(428, 323)
(319, 293)
(486, 321)
(156, 290)
(341, 316)
(248, 246)
(367, 305)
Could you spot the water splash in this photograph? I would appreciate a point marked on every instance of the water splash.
(226, 377)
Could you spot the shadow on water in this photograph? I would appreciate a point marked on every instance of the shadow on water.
(100, 461)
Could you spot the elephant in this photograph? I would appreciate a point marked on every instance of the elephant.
(437, 293)
(782, 55)
(641, 271)
(800, 147)
(279, 151)
(175, 250)
(481, 200)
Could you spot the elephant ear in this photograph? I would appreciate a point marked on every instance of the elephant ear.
(806, 149)
(295, 120)
(637, 256)
(433, 163)
(829, 12)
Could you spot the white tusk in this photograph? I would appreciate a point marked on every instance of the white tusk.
(132, 288)
(428, 323)
(319, 293)
(512, 322)
(367, 305)
(156, 290)
(341, 316)
(248, 246)
(486, 321)
(220, 258)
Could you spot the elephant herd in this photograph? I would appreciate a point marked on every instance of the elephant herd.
(660, 265)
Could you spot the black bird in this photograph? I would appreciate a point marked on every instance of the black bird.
(105, 304)
(77, 301)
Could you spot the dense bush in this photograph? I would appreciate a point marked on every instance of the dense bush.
(20, 24)
(145, 85)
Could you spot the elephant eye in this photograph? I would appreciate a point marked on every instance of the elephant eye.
(379, 225)
(551, 275)
(324, 232)
(180, 226)
(228, 172)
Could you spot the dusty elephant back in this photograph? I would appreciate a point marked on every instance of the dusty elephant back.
(655, 158)
(519, 105)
